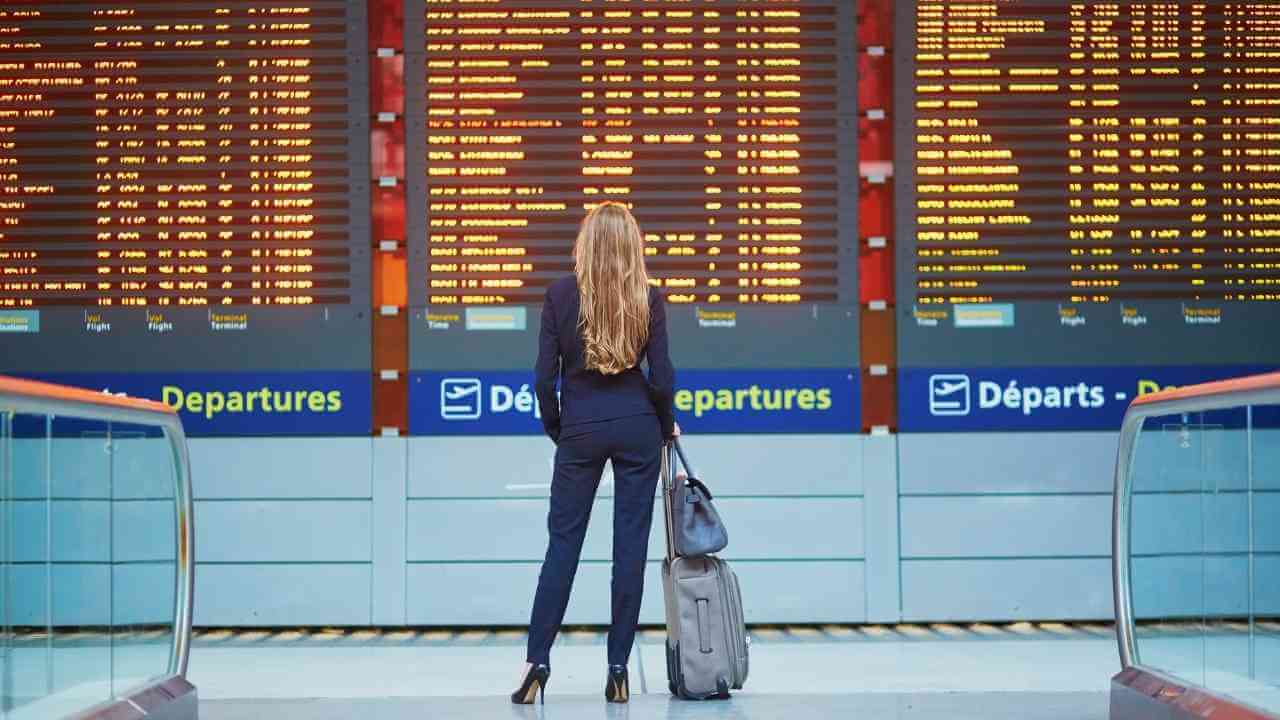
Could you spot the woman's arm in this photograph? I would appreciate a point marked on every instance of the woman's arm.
(662, 376)
(548, 370)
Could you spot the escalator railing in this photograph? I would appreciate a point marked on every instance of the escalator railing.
(1196, 553)
(95, 556)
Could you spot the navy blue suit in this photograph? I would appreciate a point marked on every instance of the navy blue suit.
(620, 418)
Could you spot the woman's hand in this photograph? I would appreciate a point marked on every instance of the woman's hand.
(675, 431)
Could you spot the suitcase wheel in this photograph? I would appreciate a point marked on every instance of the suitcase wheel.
(722, 688)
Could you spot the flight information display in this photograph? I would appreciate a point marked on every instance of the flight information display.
(1083, 185)
(728, 126)
(184, 190)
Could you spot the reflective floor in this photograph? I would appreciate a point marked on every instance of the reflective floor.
(1038, 672)
(1043, 671)
(914, 706)
(909, 659)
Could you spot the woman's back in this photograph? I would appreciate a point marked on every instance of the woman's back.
(588, 395)
(598, 326)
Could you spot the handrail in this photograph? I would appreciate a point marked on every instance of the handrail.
(1220, 395)
(38, 398)
(21, 394)
(1216, 389)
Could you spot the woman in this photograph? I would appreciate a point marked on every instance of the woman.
(597, 325)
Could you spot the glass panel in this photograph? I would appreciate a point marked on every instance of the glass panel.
(1264, 533)
(1224, 503)
(1167, 545)
(1205, 545)
(88, 562)
(144, 560)
(27, 547)
(81, 597)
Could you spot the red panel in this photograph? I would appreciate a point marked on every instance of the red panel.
(879, 400)
(875, 81)
(390, 402)
(386, 149)
(390, 279)
(875, 275)
(878, 329)
(390, 341)
(386, 24)
(386, 85)
(875, 23)
(386, 145)
(875, 209)
(388, 213)
(875, 140)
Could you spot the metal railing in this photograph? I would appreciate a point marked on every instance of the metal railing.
(96, 555)
(1195, 557)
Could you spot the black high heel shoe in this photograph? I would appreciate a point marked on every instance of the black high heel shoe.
(535, 684)
(616, 689)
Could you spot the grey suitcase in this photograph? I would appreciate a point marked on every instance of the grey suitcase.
(706, 634)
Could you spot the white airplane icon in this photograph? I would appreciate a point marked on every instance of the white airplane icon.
(949, 395)
(459, 393)
(946, 388)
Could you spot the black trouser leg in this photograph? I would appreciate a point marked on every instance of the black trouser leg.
(579, 462)
(637, 459)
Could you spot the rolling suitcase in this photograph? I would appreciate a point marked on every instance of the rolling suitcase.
(706, 634)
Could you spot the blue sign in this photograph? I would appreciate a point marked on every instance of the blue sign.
(238, 404)
(823, 400)
(1037, 398)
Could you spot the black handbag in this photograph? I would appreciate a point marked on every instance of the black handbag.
(697, 527)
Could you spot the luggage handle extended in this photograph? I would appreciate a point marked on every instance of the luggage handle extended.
(670, 454)
(673, 459)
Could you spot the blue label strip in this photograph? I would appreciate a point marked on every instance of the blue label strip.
(824, 400)
(821, 400)
(240, 404)
(1037, 398)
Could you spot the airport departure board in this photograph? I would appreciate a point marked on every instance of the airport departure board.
(728, 126)
(1083, 185)
(184, 191)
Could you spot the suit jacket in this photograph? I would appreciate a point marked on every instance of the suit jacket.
(588, 395)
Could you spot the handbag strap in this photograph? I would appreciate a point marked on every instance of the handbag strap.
(684, 459)
(690, 475)
(696, 483)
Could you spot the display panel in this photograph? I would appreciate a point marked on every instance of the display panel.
(730, 129)
(1086, 205)
(185, 206)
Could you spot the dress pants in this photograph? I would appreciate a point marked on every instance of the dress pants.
(634, 446)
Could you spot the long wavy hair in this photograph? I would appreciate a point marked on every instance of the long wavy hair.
(613, 286)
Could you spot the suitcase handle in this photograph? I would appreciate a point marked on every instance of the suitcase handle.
(673, 459)
(669, 455)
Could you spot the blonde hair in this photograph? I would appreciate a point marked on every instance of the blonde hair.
(613, 287)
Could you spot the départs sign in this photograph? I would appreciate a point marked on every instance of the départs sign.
(822, 400)
(1037, 398)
